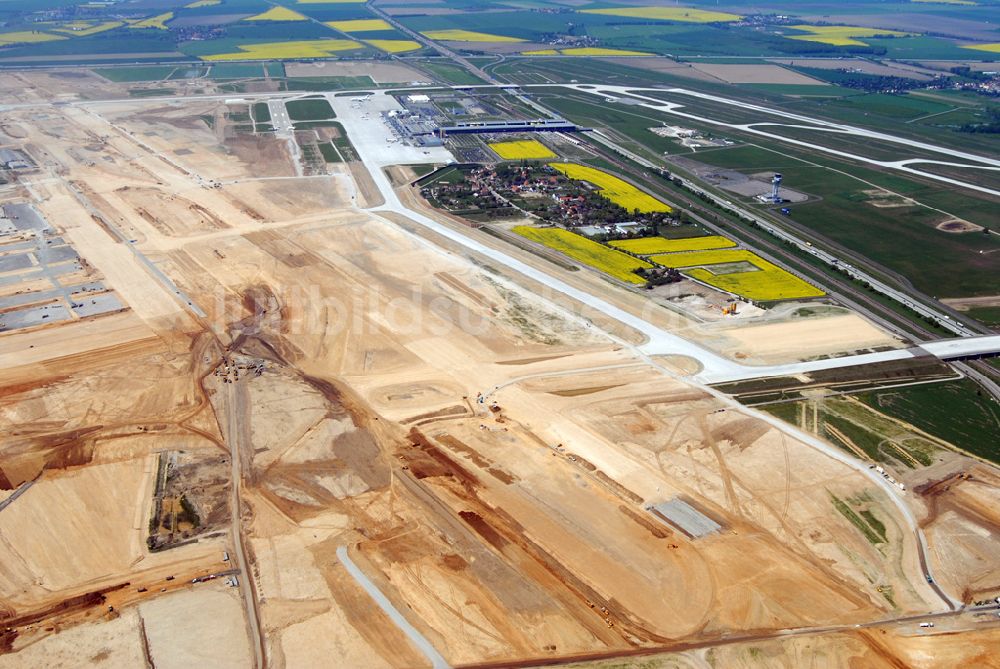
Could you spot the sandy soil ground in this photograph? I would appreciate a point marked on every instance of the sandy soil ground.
(857, 64)
(963, 525)
(800, 338)
(755, 74)
(665, 65)
(878, 648)
(196, 628)
(175, 630)
(338, 370)
(966, 303)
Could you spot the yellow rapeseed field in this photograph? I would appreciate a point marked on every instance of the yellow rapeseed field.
(831, 40)
(650, 245)
(69, 25)
(992, 48)
(159, 21)
(467, 36)
(540, 52)
(277, 14)
(525, 149)
(668, 14)
(581, 249)
(394, 45)
(318, 48)
(767, 283)
(359, 25)
(203, 3)
(620, 192)
(597, 51)
(27, 37)
(841, 35)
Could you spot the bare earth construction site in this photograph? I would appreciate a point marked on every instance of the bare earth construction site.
(262, 414)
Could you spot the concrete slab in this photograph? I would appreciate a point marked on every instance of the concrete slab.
(17, 246)
(56, 254)
(94, 305)
(29, 275)
(685, 517)
(32, 316)
(25, 217)
(28, 298)
(15, 261)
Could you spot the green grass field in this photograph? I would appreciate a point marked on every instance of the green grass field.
(330, 153)
(150, 92)
(141, 73)
(261, 112)
(986, 315)
(448, 73)
(327, 83)
(957, 412)
(237, 71)
(309, 110)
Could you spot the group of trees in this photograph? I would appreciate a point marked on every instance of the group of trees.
(991, 126)
(873, 83)
(658, 276)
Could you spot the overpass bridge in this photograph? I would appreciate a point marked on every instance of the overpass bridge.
(965, 348)
(948, 350)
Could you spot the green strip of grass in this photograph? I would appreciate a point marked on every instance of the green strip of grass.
(846, 511)
(958, 412)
